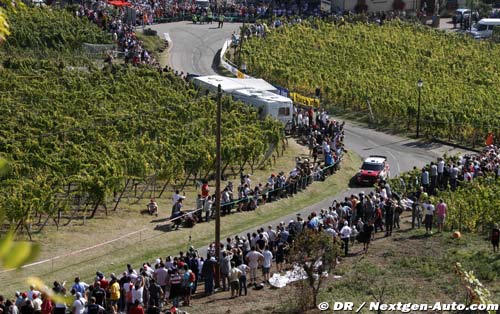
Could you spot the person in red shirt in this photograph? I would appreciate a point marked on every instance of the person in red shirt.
(137, 308)
(205, 190)
(102, 280)
(46, 304)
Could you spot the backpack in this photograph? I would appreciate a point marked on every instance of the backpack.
(192, 276)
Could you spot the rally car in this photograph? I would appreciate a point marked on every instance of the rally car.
(374, 169)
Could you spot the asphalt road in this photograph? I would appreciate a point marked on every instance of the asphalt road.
(193, 51)
(194, 46)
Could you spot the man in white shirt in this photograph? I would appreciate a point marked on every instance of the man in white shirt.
(176, 197)
(37, 302)
(266, 264)
(440, 170)
(345, 234)
(248, 182)
(32, 292)
(253, 259)
(79, 304)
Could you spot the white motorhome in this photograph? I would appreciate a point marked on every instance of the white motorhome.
(255, 92)
(267, 103)
(484, 28)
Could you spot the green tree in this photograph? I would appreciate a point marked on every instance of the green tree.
(316, 253)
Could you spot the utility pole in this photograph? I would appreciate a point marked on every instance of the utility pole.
(217, 186)
(420, 83)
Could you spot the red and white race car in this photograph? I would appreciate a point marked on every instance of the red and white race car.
(374, 169)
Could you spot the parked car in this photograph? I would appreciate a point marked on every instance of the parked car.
(374, 168)
(484, 28)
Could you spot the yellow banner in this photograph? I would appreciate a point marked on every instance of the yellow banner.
(307, 101)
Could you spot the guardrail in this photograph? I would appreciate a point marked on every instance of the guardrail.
(226, 64)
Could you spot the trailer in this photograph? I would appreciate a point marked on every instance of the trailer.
(255, 92)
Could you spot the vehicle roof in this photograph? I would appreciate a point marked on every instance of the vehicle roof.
(490, 21)
(262, 94)
(374, 160)
(227, 84)
(462, 10)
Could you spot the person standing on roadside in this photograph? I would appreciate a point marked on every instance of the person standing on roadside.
(243, 278)
(234, 278)
(225, 269)
(345, 234)
(434, 178)
(221, 20)
(254, 258)
(441, 214)
(440, 171)
(207, 271)
(429, 216)
(495, 237)
(266, 265)
(416, 213)
(389, 218)
(425, 179)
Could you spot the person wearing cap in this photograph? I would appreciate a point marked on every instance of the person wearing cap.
(27, 307)
(19, 299)
(495, 237)
(37, 302)
(23, 301)
(94, 308)
(207, 271)
(99, 294)
(114, 293)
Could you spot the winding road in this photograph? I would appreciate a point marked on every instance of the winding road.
(195, 45)
(194, 50)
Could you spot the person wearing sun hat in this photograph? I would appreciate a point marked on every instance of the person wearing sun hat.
(495, 237)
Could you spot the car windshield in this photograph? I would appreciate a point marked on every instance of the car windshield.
(372, 167)
(481, 27)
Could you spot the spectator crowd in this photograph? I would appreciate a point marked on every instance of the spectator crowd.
(324, 138)
(246, 261)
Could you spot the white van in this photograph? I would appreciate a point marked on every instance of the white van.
(484, 28)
